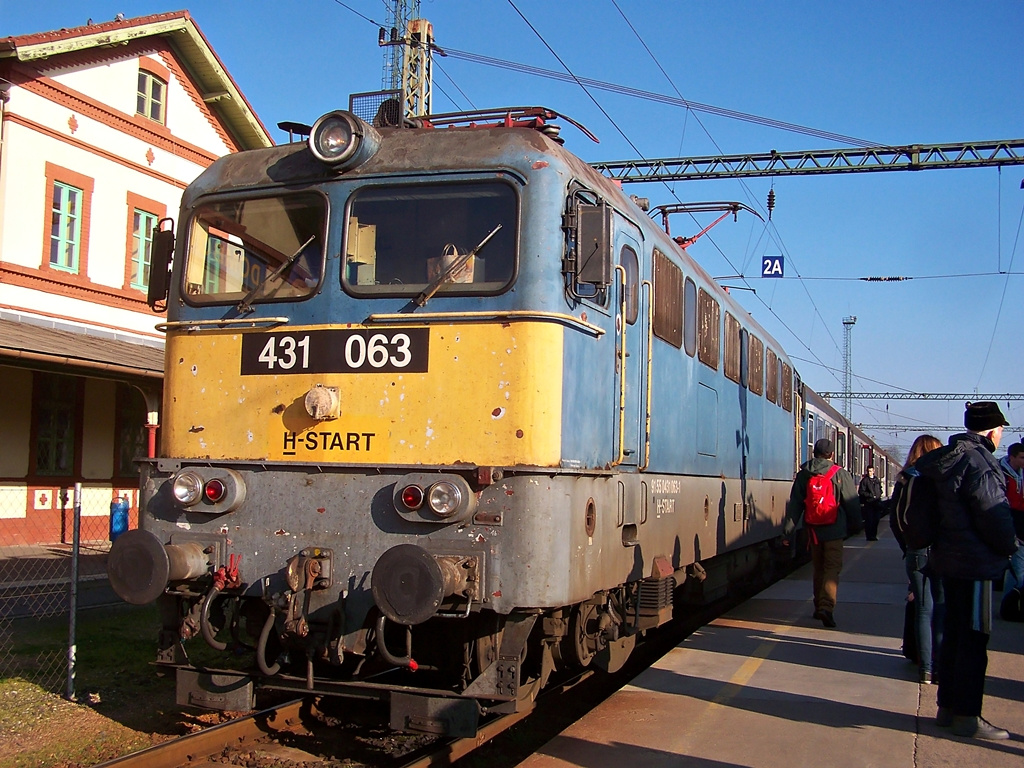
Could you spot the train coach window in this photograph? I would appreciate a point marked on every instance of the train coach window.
(261, 249)
(841, 449)
(690, 317)
(755, 379)
(732, 347)
(709, 315)
(771, 376)
(787, 387)
(668, 300)
(401, 239)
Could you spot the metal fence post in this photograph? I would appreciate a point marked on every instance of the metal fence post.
(73, 607)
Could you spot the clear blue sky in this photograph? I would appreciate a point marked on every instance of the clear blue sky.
(886, 72)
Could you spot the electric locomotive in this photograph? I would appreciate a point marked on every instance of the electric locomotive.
(444, 411)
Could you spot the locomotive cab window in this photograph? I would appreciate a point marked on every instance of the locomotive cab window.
(262, 249)
(403, 239)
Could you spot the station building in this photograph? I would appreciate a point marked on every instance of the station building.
(101, 128)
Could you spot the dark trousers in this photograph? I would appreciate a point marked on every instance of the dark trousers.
(963, 657)
(870, 510)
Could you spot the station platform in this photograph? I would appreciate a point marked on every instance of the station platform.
(767, 686)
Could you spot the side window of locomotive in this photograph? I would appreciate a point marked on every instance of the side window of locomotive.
(270, 247)
(668, 300)
(709, 315)
(732, 348)
(401, 239)
(787, 387)
(771, 376)
(632, 287)
(690, 317)
(755, 379)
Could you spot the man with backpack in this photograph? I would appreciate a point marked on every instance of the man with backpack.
(824, 495)
(973, 542)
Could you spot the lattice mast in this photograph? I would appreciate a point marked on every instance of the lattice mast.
(848, 323)
(417, 77)
(399, 14)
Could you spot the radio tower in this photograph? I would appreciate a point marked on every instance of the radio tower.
(848, 323)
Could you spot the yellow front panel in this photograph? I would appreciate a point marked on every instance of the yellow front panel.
(491, 395)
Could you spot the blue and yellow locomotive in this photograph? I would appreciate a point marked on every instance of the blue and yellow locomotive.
(444, 411)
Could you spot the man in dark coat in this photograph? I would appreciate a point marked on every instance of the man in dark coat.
(870, 493)
(972, 548)
(826, 540)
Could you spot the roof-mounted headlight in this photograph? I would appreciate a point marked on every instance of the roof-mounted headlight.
(343, 141)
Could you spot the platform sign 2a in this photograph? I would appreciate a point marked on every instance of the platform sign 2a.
(772, 266)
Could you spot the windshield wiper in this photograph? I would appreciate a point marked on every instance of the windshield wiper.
(454, 267)
(243, 305)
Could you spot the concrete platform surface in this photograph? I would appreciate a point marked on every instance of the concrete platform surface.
(767, 686)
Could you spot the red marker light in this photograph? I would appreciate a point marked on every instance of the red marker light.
(214, 491)
(412, 496)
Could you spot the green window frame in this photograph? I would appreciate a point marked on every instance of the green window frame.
(132, 438)
(66, 227)
(143, 226)
(57, 397)
(151, 97)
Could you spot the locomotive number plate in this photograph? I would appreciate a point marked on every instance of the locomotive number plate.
(357, 350)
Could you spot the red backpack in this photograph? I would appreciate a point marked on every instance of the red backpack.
(820, 505)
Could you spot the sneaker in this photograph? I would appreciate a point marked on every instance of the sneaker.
(978, 728)
(827, 620)
(944, 717)
(926, 677)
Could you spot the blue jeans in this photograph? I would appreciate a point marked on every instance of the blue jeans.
(1014, 578)
(931, 607)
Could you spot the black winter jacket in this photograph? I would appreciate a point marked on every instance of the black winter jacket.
(975, 536)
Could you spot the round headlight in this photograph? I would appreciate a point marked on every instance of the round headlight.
(444, 499)
(343, 140)
(188, 488)
(333, 138)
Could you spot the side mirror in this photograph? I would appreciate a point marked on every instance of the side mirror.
(594, 245)
(160, 265)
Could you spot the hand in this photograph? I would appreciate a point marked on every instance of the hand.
(789, 526)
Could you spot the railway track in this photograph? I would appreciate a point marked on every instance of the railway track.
(295, 732)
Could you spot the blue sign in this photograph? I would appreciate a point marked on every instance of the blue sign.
(772, 266)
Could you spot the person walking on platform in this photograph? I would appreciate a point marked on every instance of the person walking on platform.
(973, 543)
(928, 600)
(1012, 465)
(870, 493)
(824, 495)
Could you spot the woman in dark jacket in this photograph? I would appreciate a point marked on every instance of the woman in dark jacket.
(925, 590)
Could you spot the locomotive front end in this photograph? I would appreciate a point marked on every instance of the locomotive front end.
(349, 378)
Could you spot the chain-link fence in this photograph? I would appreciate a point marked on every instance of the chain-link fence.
(44, 578)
